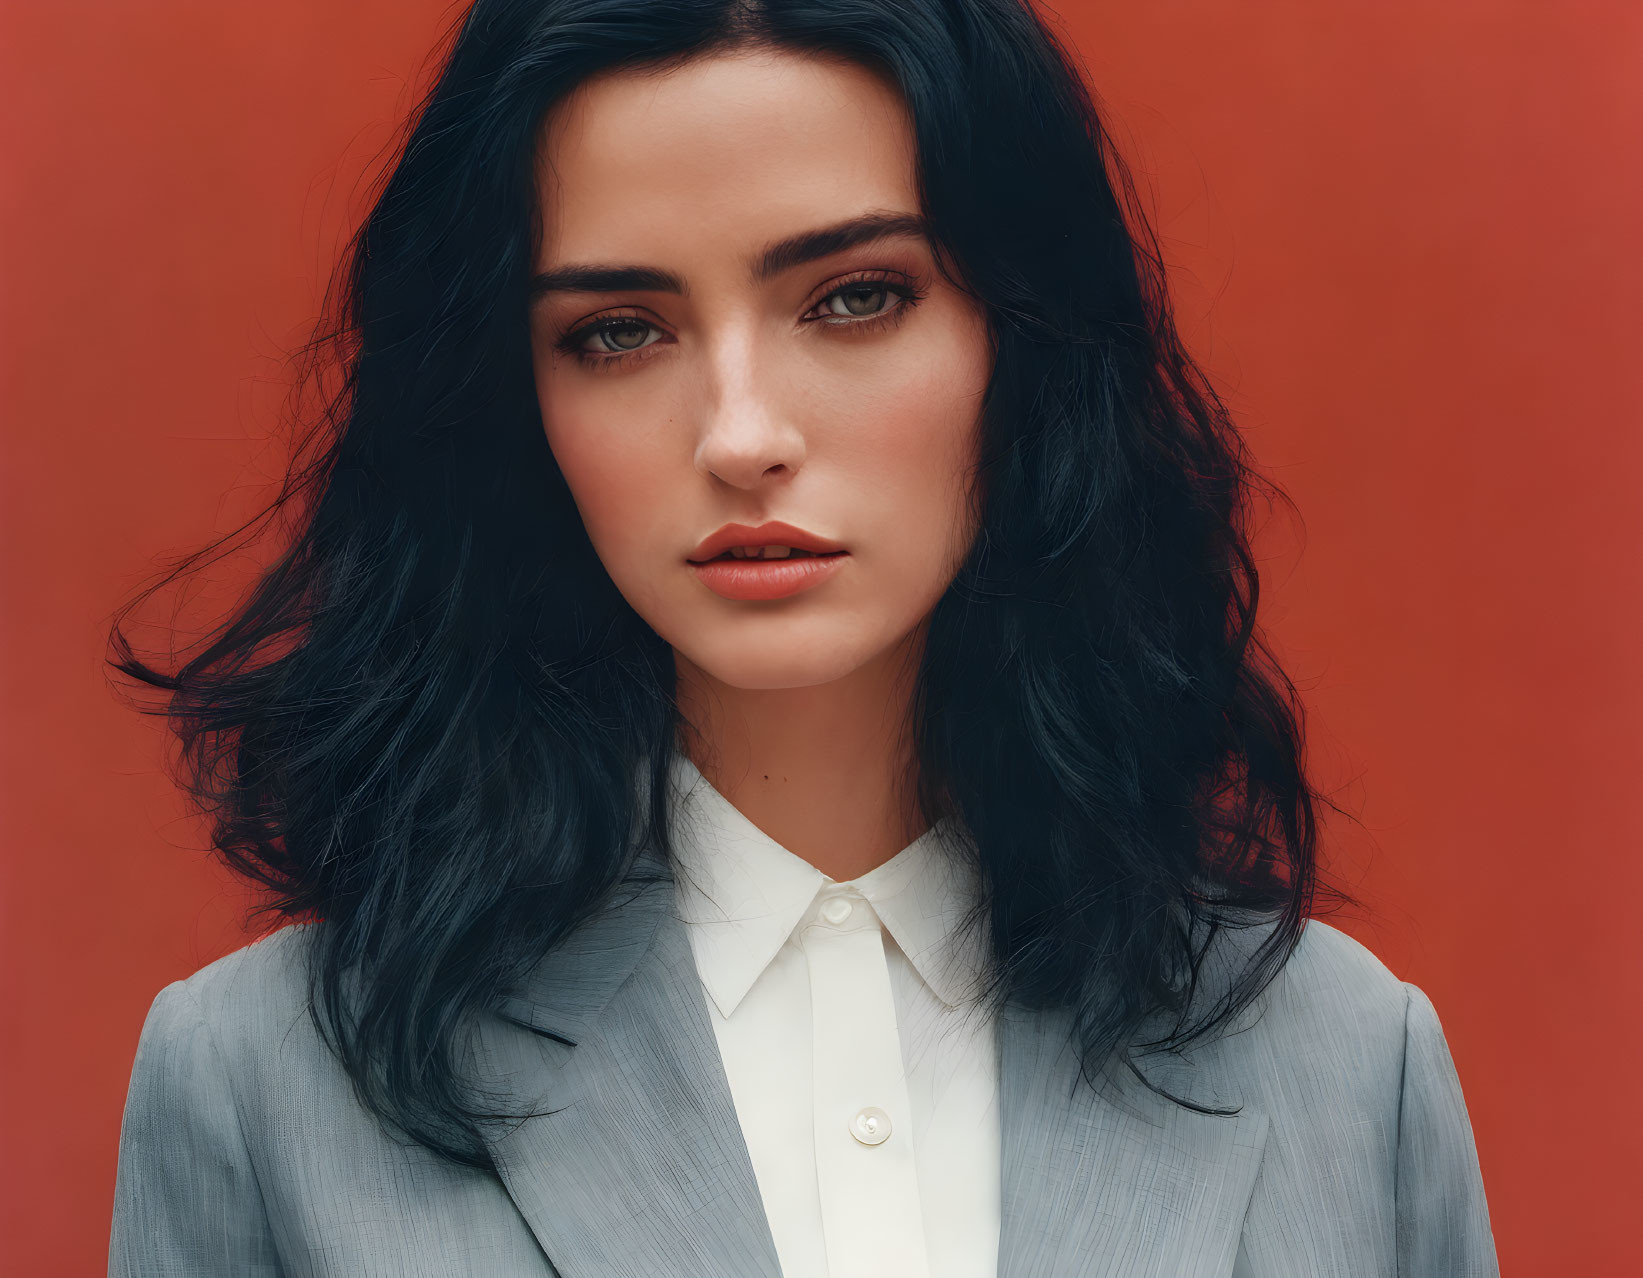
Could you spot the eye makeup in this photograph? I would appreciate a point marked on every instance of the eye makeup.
(895, 285)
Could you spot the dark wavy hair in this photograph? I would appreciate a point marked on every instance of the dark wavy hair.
(420, 728)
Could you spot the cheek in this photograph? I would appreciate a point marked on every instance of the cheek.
(938, 409)
(922, 428)
(611, 471)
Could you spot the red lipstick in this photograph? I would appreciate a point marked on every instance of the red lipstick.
(774, 533)
(735, 578)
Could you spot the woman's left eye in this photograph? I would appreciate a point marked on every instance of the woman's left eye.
(865, 300)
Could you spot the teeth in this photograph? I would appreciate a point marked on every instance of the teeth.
(765, 552)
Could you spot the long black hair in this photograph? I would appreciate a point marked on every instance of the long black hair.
(420, 728)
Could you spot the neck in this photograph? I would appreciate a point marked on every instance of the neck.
(826, 771)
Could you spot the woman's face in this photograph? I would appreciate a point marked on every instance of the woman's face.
(714, 376)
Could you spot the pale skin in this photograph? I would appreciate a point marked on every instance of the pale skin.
(735, 401)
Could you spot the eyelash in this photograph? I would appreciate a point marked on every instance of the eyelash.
(911, 296)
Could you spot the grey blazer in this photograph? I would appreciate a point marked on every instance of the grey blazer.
(243, 1150)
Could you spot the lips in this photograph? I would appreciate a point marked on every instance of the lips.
(764, 579)
(773, 533)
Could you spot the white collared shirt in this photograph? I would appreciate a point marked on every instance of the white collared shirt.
(864, 1077)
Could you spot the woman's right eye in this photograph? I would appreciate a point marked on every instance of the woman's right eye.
(609, 341)
(615, 337)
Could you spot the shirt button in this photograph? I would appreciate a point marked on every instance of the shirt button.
(837, 911)
(871, 1126)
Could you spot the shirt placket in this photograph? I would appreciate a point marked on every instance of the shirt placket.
(865, 1166)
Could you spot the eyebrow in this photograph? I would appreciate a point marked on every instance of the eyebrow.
(783, 255)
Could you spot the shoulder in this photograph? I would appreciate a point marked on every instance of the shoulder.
(209, 1044)
(236, 1045)
(1327, 1035)
(1332, 978)
(1365, 1123)
(241, 1127)
(269, 974)
(240, 1006)
(1328, 978)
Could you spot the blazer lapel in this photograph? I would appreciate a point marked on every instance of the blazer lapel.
(640, 1167)
(1119, 1183)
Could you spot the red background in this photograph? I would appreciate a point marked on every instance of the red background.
(1407, 244)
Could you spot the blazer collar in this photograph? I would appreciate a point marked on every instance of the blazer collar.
(634, 1162)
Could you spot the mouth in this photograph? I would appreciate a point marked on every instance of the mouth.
(756, 574)
(772, 539)
(757, 554)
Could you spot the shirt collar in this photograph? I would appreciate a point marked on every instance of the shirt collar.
(742, 894)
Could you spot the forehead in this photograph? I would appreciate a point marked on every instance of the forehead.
(723, 151)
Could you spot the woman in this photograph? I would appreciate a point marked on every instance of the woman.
(761, 729)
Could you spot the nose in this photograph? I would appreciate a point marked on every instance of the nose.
(748, 434)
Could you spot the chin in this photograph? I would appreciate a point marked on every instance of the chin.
(769, 672)
(754, 662)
